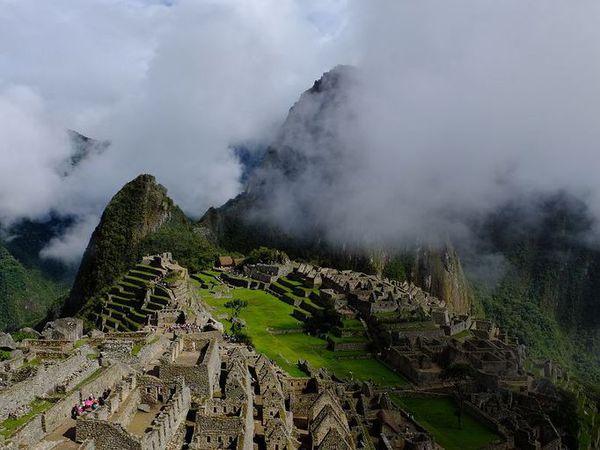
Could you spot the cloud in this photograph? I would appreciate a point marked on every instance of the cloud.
(456, 108)
(68, 247)
(173, 86)
(31, 146)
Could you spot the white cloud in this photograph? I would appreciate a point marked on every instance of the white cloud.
(458, 107)
(68, 247)
(171, 86)
(460, 104)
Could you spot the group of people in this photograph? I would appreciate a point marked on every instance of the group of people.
(89, 404)
(185, 327)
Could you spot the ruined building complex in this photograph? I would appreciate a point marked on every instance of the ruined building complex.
(175, 380)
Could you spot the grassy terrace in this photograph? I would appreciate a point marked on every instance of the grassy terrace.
(38, 406)
(9, 426)
(266, 315)
(438, 416)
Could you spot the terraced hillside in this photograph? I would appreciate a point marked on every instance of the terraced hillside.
(130, 303)
(304, 300)
(272, 321)
(348, 337)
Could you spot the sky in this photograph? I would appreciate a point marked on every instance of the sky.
(458, 105)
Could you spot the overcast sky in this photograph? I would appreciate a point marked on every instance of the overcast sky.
(461, 103)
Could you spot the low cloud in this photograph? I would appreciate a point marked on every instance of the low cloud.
(172, 85)
(456, 107)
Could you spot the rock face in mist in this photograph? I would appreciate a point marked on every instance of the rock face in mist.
(83, 148)
(308, 145)
(440, 272)
(139, 209)
(549, 294)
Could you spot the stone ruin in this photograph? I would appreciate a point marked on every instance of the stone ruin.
(168, 388)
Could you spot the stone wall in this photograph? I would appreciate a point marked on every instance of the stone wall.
(224, 432)
(109, 435)
(130, 401)
(202, 378)
(45, 344)
(44, 423)
(349, 346)
(383, 306)
(486, 420)
(106, 435)
(152, 351)
(166, 424)
(16, 399)
(119, 349)
(411, 367)
(77, 377)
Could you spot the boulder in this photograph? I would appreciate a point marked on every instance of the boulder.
(66, 328)
(31, 331)
(96, 333)
(7, 342)
(144, 407)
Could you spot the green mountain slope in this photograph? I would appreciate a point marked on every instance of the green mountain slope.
(550, 293)
(140, 219)
(25, 294)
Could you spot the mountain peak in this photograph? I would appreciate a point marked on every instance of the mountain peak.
(140, 208)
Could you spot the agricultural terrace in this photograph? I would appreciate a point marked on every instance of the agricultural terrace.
(438, 415)
(279, 335)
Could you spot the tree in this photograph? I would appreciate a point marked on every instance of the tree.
(267, 255)
(236, 305)
(459, 373)
(238, 325)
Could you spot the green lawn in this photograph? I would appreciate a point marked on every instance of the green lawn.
(292, 282)
(266, 312)
(437, 415)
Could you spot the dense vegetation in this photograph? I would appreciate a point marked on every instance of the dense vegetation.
(549, 293)
(265, 255)
(25, 294)
(187, 243)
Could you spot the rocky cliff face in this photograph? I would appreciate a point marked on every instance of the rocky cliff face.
(439, 271)
(139, 209)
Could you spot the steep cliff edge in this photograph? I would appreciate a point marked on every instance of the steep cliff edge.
(549, 293)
